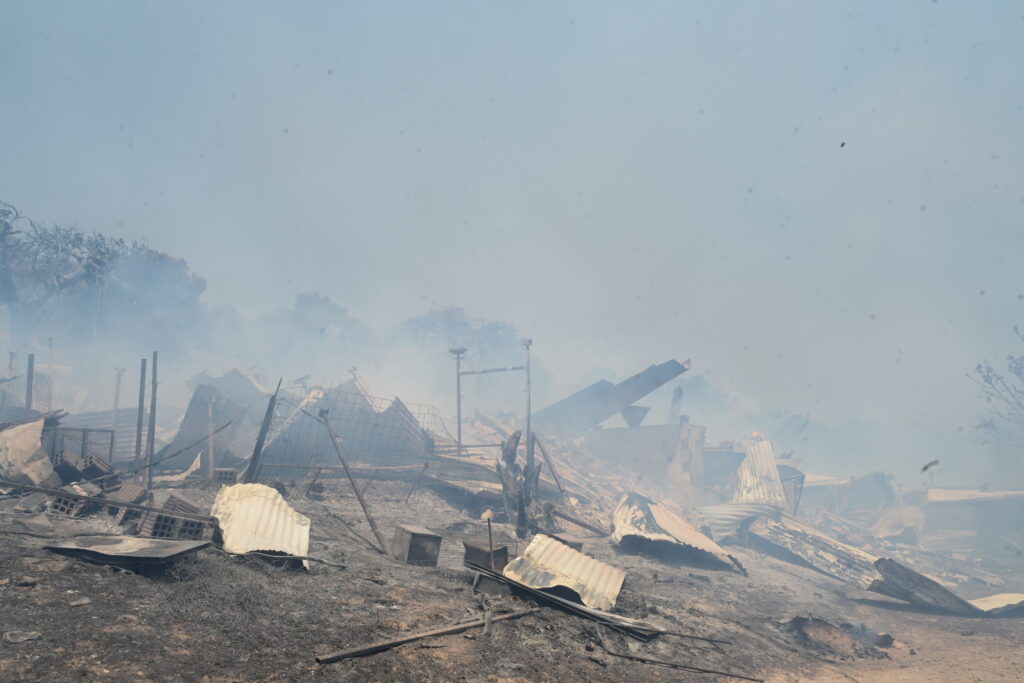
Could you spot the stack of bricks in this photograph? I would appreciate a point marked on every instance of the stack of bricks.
(156, 525)
(68, 467)
(225, 476)
(94, 467)
(73, 507)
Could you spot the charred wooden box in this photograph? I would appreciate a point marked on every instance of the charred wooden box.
(415, 545)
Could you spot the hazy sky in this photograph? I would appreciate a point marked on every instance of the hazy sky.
(625, 182)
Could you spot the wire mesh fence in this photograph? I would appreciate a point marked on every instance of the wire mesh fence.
(387, 443)
(454, 537)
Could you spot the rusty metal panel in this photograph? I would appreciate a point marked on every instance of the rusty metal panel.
(254, 517)
(759, 477)
(548, 563)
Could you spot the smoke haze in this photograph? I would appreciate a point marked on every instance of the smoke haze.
(821, 204)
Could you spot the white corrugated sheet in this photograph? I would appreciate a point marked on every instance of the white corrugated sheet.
(547, 563)
(726, 519)
(759, 477)
(254, 517)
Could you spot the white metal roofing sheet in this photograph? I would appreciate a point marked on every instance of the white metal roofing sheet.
(547, 563)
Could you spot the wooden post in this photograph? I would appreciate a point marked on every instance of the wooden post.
(151, 437)
(137, 462)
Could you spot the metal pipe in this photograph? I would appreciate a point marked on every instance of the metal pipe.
(489, 370)
(137, 462)
(151, 436)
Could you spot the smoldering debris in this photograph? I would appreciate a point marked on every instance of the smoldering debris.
(478, 521)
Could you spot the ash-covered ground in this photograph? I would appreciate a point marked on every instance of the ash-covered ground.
(217, 617)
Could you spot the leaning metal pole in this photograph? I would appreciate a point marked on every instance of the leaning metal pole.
(348, 473)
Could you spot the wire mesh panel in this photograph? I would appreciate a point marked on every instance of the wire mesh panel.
(84, 443)
(453, 547)
(42, 392)
(383, 440)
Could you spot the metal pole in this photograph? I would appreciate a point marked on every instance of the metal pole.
(529, 435)
(29, 380)
(118, 373)
(457, 353)
(209, 440)
(151, 437)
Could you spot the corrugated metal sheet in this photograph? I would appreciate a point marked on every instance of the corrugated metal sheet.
(547, 563)
(254, 517)
(725, 520)
(999, 604)
(759, 477)
(640, 516)
(969, 496)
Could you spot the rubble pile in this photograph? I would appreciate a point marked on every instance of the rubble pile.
(360, 520)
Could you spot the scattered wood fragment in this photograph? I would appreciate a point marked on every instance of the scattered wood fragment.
(446, 630)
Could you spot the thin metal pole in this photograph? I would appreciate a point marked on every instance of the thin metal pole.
(457, 352)
(362, 503)
(529, 435)
(551, 466)
(209, 440)
(118, 373)
(30, 380)
(151, 437)
(137, 462)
